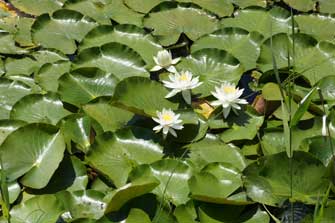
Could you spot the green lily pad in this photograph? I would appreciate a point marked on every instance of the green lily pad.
(37, 7)
(86, 84)
(136, 94)
(14, 191)
(117, 198)
(327, 6)
(218, 7)
(7, 44)
(84, 204)
(137, 215)
(7, 127)
(271, 92)
(268, 184)
(213, 66)
(41, 208)
(185, 213)
(321, 147)
(116, 154)
(36, 155)
(53, 31)
(247, 3)
(124, 15)
(314, 60)
(134, 37)
(98, 10)
(240, 43)
(47, 76)
(22, 35)
(111, 118)
(215, 183)
(327, 87)
(245, 125)
(168, 21)
(260, 20)
(39, 108)
(172, 175)
(301, 5)
(25, 66)
(211, 150)
(317, 25)
(114, 58)
(77, 128)
(44, 56)
(11, 92)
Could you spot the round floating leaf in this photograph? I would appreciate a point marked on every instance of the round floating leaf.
(44, 56)
(321, 147)
(98, 10)
(301, 5)
(142, 94)
(10, 93)
(327, 86)
(268, 184)
(114, 58)
(240, 43)
(211, 150)
(41, 208)
(268, 23)
(171, 19)
(327, 6)
(215, 183)
(247, 3)
(313, 60)
(185, 213)
(48, 75)
(25, 66)
(39, 108)
(86, 84)
(124, 15)
(7, 127)
(137, 215)
(245, 125)
(77, 129)
(53, 32)
(84, 204)
(172, 175)
(37, 7)
(116, 199)
(319, 26)
(36, 155)
(7, 44)
(23, 35)
(213, 66)
(14, 191)
(142, 6)
(115, 154)
(271, 92)
(134, 37)
(219, 7)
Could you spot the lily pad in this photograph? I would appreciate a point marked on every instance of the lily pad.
(218, 7)
(7, 44)
(53, 31)
(134, 37)
(116, 154)
(327, 6)
(25, 66)
(111, 118)
(37, 7)
(172, 175)
(36, 155)
(276, 20)
(268, 184)
(213, 66)
(240, 43)
(114, 58)
(86, 84)
(169, 20)
(10, 93)
(7, 127)
(301, 5)
(41, 208)
(247, 3)
(39, 108)
(14, 191)
(314, 60)
(137, 215)
(136, 93)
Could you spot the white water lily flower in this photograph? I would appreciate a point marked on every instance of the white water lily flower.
(164, 60)
(168, 121)
(228, 97)
(181, 82)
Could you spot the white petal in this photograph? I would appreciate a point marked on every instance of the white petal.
(156, 120)
(173, 132)
(242, 101)
(176, 60)
(165, 130)
(215, 103)
(171, 69)
(156, 68)
(172, 93)
(226, 112)
(236, 106)
(178, 127)
(157, 128)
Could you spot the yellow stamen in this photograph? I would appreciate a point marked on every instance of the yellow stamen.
(183, 77)
(229, 89)
(167, 117)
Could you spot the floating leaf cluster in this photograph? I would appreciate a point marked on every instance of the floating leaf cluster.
(158, 111)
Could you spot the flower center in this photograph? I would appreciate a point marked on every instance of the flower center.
(167, 117)
(183, 77)
(229, 89)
